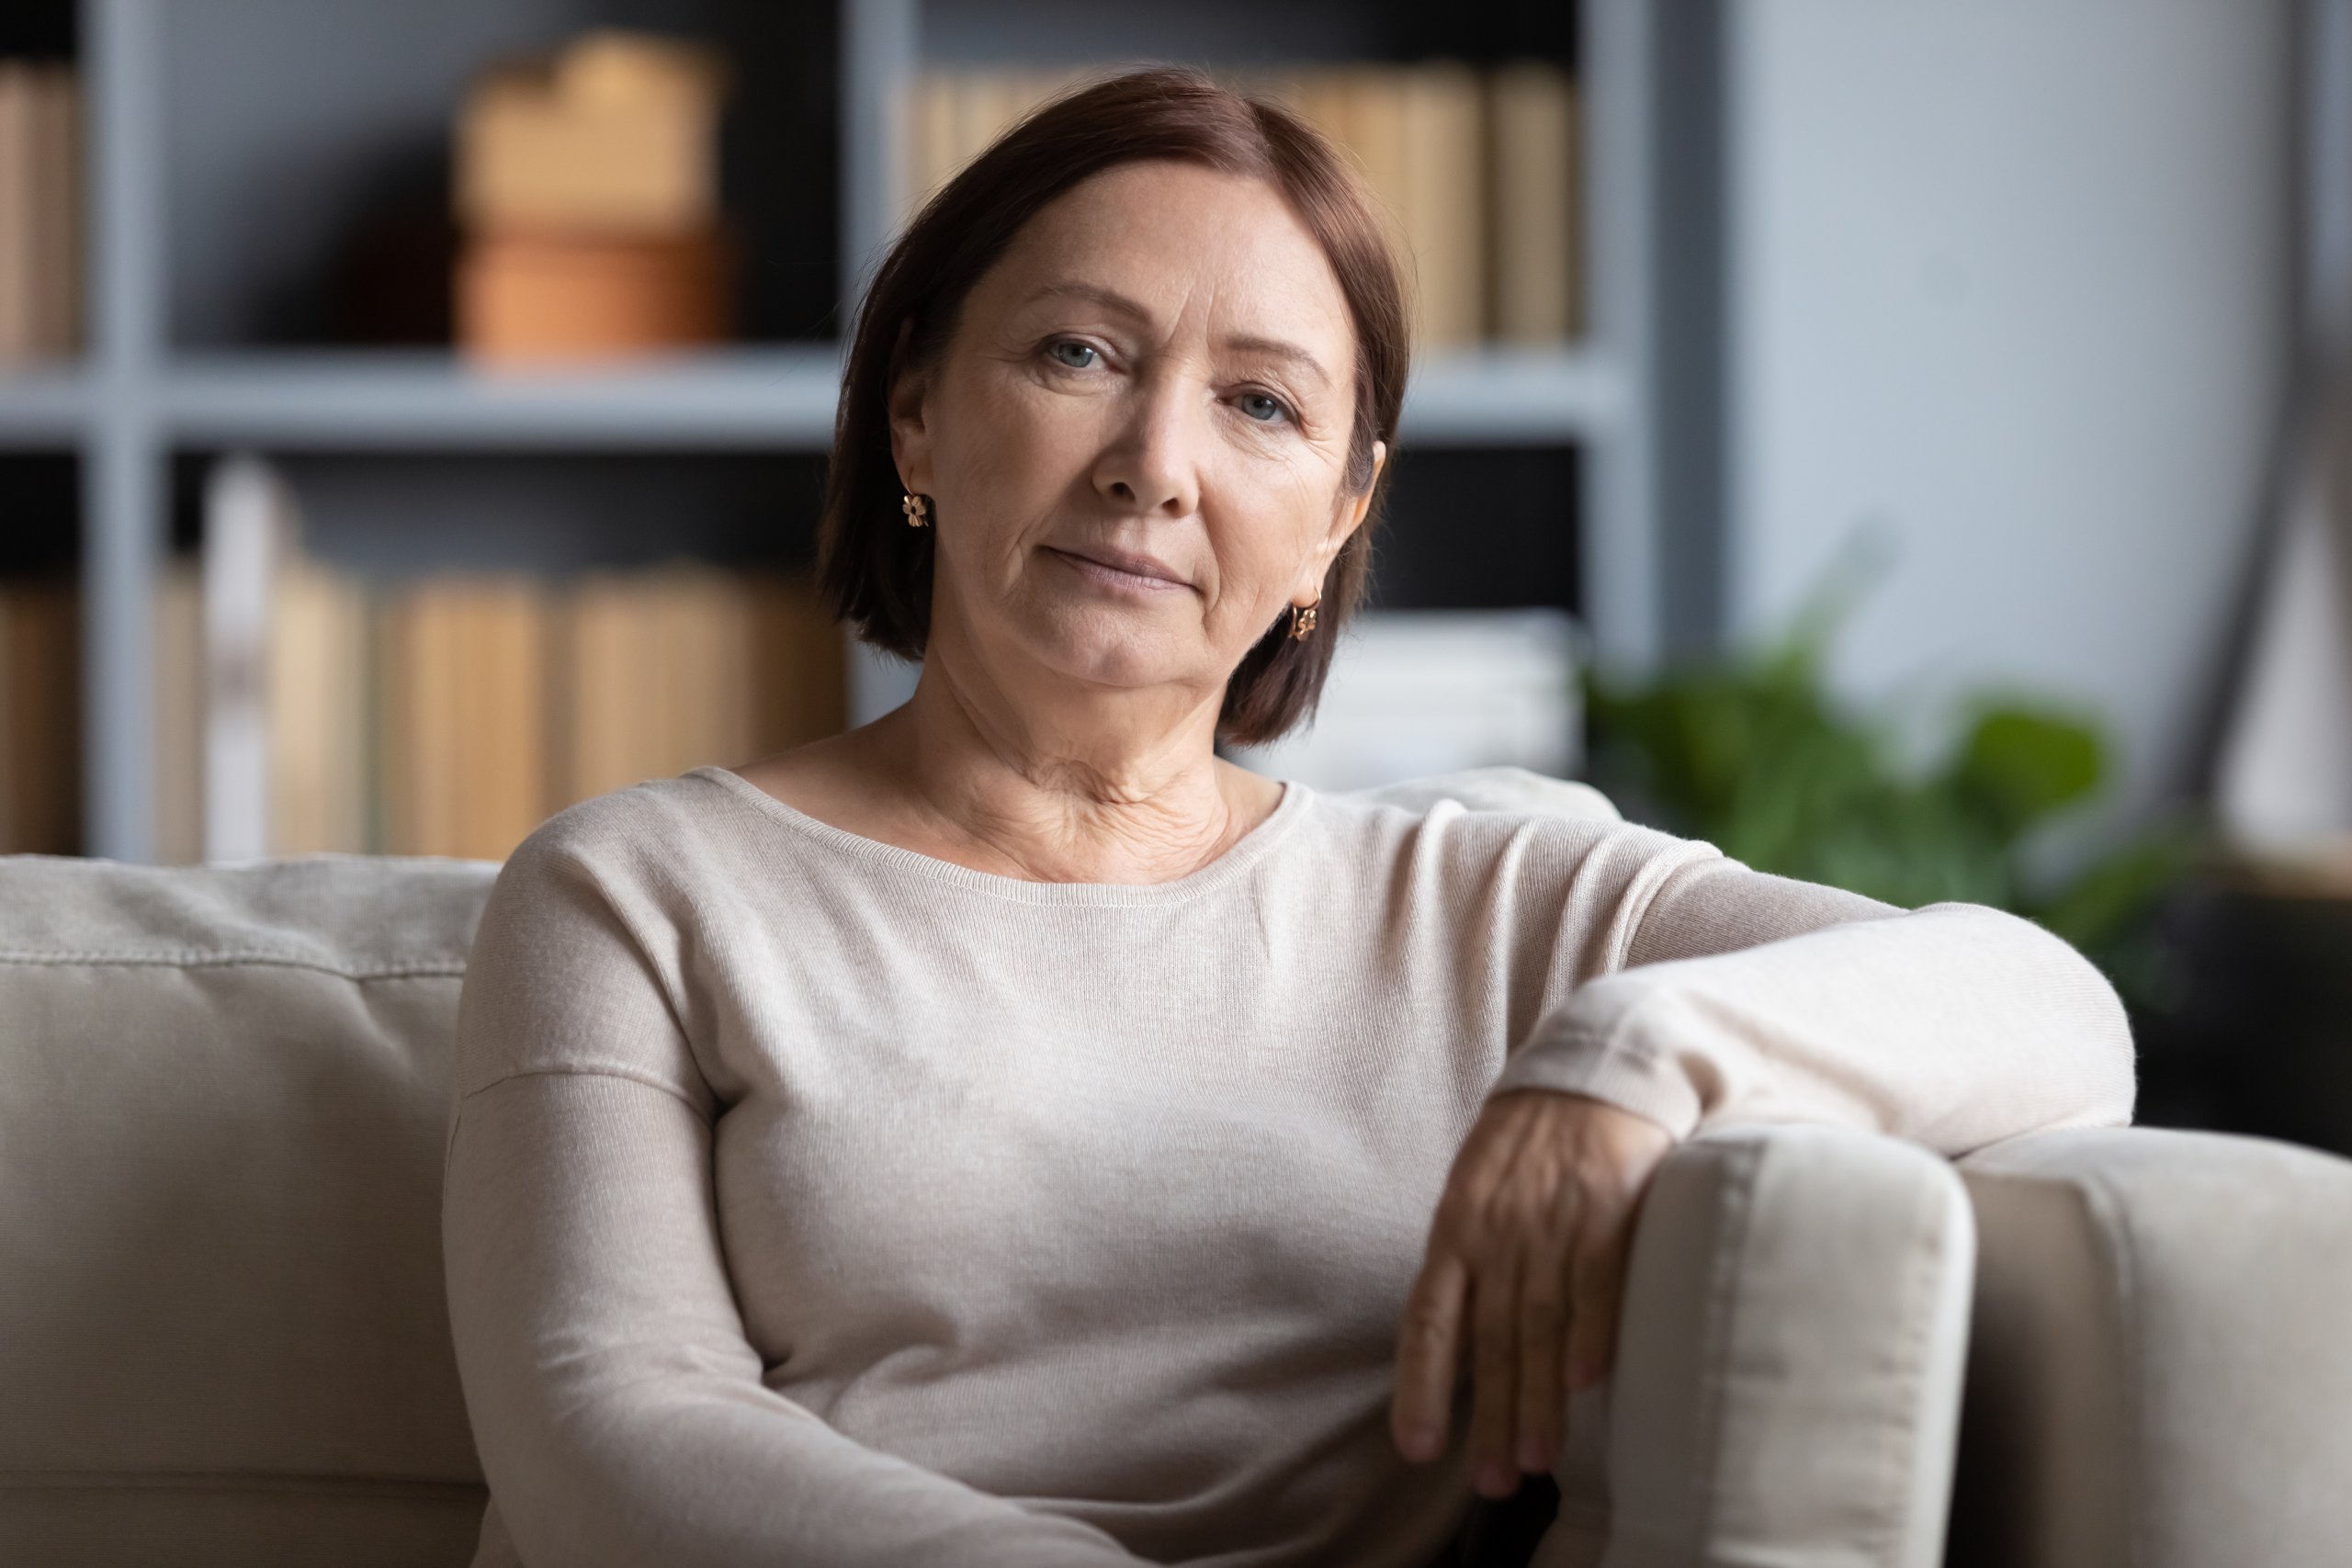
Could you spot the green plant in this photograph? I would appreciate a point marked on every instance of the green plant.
(1752, 754)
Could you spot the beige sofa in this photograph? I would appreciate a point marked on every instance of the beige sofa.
(222, 1339)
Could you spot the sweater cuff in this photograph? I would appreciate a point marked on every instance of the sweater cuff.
(1606, 1061)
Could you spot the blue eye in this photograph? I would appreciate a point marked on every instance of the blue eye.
(1063, 350)
(1252, 403)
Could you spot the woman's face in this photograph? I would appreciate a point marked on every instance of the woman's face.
(1136, 437)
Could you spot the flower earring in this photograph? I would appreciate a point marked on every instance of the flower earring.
(1302, 620)
(917, 509)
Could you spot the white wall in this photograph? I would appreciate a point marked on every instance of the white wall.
(2011, 278)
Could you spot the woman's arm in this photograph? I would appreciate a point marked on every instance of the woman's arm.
(617, 1406)
(1729, 994)
(1744, 996)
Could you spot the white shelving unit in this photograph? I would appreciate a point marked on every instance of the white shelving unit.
(142, 394)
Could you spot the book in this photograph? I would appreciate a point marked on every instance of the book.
(664, 669)
(318, 710)
(615, 135)
(41, 221)
(598, 714)
(57, 213)
(1534, 152)
(546, 297)
(248, 530)
(179, 712)
(19, 252)
(1441, 130)
(799, 659)
(950, 118)
(41, 729)
(1416, 135)
(929, 144)
(462, 672)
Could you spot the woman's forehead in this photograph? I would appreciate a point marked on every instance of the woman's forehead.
(1178, 240)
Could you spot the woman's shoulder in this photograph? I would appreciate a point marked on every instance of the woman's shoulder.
(1507, 791)
(656, 829)
(1468, 826)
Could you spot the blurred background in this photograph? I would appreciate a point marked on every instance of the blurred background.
(1901, 444)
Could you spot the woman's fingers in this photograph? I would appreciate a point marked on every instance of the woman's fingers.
(1524, 1271)
(1494, 1401)
(1427, 1355)
(1543, 1349)
(1598, 1289)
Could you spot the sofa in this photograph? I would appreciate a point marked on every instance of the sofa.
(223, 1341)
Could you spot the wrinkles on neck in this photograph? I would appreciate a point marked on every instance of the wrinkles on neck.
(1086, 784)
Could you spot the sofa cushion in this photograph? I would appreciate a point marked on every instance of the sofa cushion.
(1789, 1362)
(223, 1093)
(2160, 1377)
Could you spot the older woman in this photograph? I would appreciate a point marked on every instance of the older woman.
(1008, 1133)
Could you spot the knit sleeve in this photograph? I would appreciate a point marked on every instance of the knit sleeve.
(617, 1405)
(1739, 996)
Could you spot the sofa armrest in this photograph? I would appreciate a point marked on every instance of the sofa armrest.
(1787, 1387)
(2162, 1375)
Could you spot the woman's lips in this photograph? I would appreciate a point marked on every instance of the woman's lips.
(1116, 568)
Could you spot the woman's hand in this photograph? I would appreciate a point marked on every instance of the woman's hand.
(1526, 1264)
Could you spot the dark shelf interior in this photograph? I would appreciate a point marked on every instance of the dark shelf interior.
(307, 180)
(40, 507)
(39, 30)
(1246, 32)
(1468, 529)
(549, 514)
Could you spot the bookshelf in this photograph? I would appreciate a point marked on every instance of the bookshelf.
(203, 312)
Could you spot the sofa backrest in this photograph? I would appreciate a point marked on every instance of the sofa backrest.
(223, 1097)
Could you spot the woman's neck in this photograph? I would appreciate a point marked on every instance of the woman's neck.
(1102, 786)
(1096, 786)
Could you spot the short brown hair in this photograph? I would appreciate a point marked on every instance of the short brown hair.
(877, 572)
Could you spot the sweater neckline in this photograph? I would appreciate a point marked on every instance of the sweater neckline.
(1237, 862)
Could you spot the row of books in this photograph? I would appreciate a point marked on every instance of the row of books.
(40, 212)
(303, 708)
(448, 716)
(1480, 172)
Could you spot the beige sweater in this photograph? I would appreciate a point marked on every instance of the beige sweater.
(812, 1201)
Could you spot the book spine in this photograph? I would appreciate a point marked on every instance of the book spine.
(179, 713)
(1538, 251)
(245, 525)
(19, 223)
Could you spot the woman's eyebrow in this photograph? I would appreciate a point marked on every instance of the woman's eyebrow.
(1288, 352)
(1112, 300)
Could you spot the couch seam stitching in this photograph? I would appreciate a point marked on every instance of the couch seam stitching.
(2096, 1198)
(1919, 1299)
(190, 958)
(247, 1480)
(1746, 1160)
(646, 1079)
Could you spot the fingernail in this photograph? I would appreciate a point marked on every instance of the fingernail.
(1531, 1456)
(1418, 1441)
(1495, 1480)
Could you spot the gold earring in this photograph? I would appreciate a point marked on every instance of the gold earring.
(1302, 620)
(917, 509)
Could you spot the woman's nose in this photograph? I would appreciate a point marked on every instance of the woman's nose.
(1153, 464)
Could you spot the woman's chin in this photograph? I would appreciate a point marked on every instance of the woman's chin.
(1107, 651)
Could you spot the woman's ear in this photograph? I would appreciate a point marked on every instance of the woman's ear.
(1353, 509)
(1346, 518)
(910, 433)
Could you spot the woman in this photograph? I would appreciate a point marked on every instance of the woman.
(1008, 1133)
